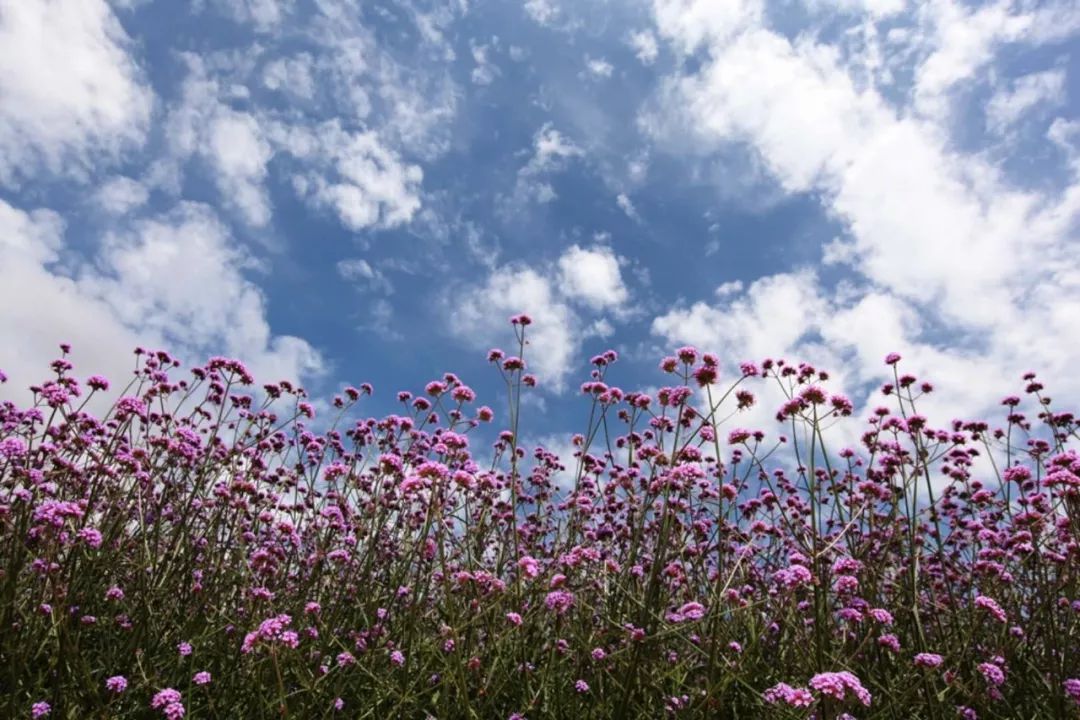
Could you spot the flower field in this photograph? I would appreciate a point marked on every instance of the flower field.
(210, 548)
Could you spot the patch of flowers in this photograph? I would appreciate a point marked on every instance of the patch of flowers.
(211, 547)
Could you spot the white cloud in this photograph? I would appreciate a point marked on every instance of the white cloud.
(232, 143)
(361, 272)
(599, 67)
(563, 301)
(690, 23)
(120, 195)
(264, 15)
(480, 316)
(1009, 104)
(963, 40)
(71, 98)
(294, 75)
(485, 71)
(176, 281)
(543, 12)
(551, 152)
(627, 206)
(645, 48)
(364, 181)
(932, 232)
(592, 276)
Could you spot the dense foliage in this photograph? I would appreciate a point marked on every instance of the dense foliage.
(203, 551)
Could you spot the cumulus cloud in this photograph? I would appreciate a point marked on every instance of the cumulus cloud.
(593, 276)
(120, 195)
(543, 12)
(599, 67)
(551, 152)
(562, 299)
(645, 46)
(1009, 104)
(355, 174)
(72, 99)
(931, 232)
(231, 143)
(176, 281)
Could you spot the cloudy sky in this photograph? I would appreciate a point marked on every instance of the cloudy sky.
(347, 191)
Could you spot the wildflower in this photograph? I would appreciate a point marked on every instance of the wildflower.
(165, 697)
(992, 607)
(598, 654)
(782, 692)
(881, 615)
(12, 447)
(338, 704)
(184, 649)
(890, 642)
(97, 382)
(201, 678)
(836, 685)
(514, 618)
(397, 658)
(994, 675)
(928, 660)
(892, 358)
(581, 686)
(529, 565)
(689, 612)
(114, 593)
(1072, 689)
(40, 709)
(116, 684)
(559, 601)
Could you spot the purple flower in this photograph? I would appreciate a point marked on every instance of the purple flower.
(559, 601)
(1072, 689)
(836, 685)
(581, 686)
(12, 447)
(40, 709)
(202, 678)
(994, 675)
(168, 696)
(928, 660)
(184, 649)
(397, 658)
(782, 692)
(892, 358)
(991, 605)
(116, 684)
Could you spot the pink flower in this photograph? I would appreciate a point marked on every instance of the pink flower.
(991, 605)
(928, 660)
(994, 675)
(529, 565)
(782, 692)
(165, 697)
(581, 686)
(397, 658)
(514, 618)
(184, 649)
(201, 678)
(40, 709)
(559, 601)
(1072, 689)
(836, 685)
(116, 684)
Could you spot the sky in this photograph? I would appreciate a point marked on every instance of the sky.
(338, 191)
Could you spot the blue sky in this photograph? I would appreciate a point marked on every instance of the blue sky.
(341, 191)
